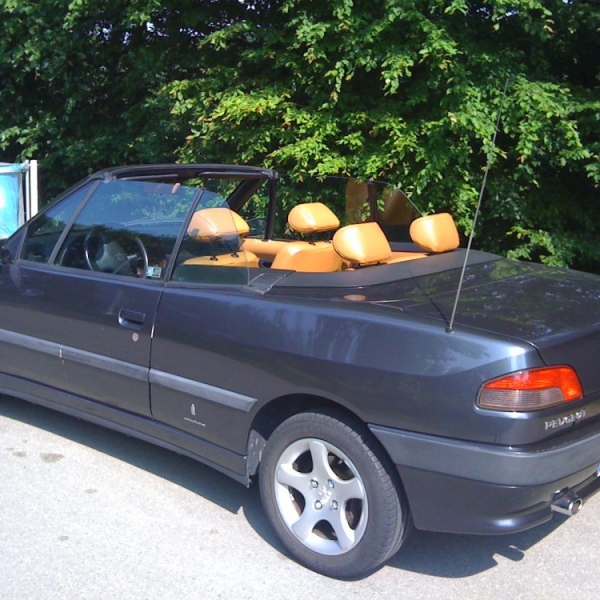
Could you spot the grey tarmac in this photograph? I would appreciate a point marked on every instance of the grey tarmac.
(90, 514)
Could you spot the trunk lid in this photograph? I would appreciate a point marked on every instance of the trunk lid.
(556, 310)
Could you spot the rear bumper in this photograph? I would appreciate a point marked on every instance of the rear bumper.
(463, 487)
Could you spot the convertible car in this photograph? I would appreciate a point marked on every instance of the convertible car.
(314, 341)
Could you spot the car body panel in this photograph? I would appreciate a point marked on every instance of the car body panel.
(266, 348)
(93, 332)
(207, 356)
(556, 310)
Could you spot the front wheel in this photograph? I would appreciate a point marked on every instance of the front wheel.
(332, 495)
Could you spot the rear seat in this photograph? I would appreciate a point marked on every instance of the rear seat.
(435, 233)
(362, 245)
(365, 244)
(353, 246)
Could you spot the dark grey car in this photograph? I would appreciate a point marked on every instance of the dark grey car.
(182, 305)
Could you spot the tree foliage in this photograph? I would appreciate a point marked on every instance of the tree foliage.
(82, 79)
(405, 91)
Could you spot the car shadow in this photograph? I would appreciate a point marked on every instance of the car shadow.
(455, 556)
(435, 554)
(166, 464)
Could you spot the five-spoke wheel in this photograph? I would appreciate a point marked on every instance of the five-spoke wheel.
(332, 495)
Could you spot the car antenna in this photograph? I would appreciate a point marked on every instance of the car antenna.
(449, 329)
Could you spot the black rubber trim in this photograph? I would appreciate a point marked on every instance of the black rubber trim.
(380, 274)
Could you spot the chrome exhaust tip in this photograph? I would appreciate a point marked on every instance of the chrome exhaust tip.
(566, 503)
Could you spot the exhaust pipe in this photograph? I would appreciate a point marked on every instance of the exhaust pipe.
(566, 503)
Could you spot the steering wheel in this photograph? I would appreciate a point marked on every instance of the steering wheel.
(143, 256)
(109, 256)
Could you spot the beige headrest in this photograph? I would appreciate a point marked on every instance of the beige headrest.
(435, 233)
(312, 217)
(211, 223)
(362, 244)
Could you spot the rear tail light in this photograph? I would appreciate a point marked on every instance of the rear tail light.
(533, 389)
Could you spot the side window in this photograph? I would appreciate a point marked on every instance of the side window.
(255, 212)
(46, 229)
(395, 214)
(128, 228)
(357, 208)
(212, 247)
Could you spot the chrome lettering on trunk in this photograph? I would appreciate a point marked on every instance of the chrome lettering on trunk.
(564, 420)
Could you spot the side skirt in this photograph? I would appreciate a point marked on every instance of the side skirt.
(159, 434)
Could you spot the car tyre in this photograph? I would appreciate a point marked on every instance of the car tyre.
(332, 494)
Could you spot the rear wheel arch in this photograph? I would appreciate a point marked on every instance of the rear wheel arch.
(271, 415)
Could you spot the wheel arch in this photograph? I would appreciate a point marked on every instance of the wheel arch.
(272, 414)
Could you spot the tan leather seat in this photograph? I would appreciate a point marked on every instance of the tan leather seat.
(318, 257)
(314, 256)
(225, 229)
(365, 244)
(264, 249)
(362, 244)
(404, 256)
(435, 233)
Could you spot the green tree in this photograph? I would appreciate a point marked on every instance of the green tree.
(411, 92)
(81, 79)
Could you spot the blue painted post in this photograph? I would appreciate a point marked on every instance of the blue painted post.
(11, 198)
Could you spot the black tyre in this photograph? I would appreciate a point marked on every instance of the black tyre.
(332, 495)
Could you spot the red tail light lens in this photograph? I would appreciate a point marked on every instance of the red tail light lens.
(533, 389)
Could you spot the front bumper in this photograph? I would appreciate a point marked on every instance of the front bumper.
(465, 487)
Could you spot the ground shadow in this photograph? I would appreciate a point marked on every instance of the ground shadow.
(439, 555)
(455, 556)
(180, 470)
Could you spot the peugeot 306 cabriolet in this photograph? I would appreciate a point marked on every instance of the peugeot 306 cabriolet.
(303, 339)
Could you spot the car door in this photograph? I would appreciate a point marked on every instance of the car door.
(91, 305)
(98, 328)
(199, 377)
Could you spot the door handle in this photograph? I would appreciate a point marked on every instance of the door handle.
(132, 319)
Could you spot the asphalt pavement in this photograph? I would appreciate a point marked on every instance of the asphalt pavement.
(86, 513)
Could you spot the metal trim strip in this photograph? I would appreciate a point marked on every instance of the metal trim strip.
(198, 389)
(203, 391)
(91, 359)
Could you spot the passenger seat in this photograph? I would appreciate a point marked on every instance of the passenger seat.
(220, 232)
(310, 256)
